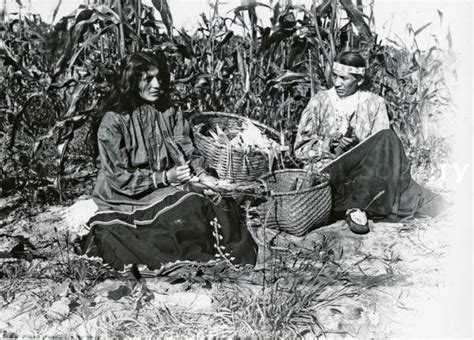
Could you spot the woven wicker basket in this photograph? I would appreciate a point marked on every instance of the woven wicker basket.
(230, 164)
(294, 211)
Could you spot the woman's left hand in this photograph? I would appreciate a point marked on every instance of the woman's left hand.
(211, 182)
(208, 180)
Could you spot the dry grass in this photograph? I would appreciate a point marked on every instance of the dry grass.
(61, 293)
(328, 282)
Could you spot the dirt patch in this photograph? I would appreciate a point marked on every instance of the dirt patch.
(329, 283)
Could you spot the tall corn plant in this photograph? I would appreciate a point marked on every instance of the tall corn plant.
(273, 70)
(267, 73)
(414, 85)
(28, 107)
(59, 73)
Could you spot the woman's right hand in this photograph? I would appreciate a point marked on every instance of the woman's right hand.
(334, 141)
(179, 174)
(345, 144)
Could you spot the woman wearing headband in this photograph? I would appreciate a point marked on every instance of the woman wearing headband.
(337, 120)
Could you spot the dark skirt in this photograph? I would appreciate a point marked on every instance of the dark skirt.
(175, 227)
(380, 164)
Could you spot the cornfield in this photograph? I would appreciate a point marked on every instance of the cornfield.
(54, 76)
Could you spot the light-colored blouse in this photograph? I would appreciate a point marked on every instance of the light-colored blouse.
(327, 115)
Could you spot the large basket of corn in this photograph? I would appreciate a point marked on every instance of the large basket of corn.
(236, 147)
(297, 201)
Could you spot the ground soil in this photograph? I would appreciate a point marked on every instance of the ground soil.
(397, 274)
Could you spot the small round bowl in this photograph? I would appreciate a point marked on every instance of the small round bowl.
(357, 221)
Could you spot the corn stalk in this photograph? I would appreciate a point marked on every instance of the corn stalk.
(268, 74)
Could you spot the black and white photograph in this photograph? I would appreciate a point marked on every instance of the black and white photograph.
(236, 169)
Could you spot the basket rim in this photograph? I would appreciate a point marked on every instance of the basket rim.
(293, 192)
(235, 116)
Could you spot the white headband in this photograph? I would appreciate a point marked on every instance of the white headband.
(348, 69)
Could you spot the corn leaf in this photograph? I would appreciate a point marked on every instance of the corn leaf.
(165, 12)
(276, 14)
(440, 16)
(88, 42)
(450, 40)
(357, 18)
(249, 7)
(422, 28)
(55, 11)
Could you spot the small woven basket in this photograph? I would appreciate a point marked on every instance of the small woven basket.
(230, 164)
(294, 211)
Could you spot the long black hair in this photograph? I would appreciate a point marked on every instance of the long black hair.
(124, 96)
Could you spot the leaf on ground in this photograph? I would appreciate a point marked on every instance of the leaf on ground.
(119, 293)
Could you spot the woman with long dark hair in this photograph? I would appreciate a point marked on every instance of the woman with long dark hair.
(345, 132)
(147, 212)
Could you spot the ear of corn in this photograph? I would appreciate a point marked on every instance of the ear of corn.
(248, 139)
(175, 151)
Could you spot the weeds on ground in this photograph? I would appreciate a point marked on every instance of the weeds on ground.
(283, 299)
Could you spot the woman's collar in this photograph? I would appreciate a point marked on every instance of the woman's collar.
(345, 104)
(335, 97)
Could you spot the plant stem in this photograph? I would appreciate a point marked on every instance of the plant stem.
(320, 42)
(139, 23)
(311, 72)
(332, 31)
(121, 36)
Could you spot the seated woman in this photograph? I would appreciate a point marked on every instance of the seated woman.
(338, 119)
(147, 214)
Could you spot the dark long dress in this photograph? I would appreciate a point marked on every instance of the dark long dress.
(380, 164)
(142, 220)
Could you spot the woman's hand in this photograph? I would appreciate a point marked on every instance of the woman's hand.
(208, 180)
(211, 182)
(179, 174)
(334, 141)
(345, 144)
